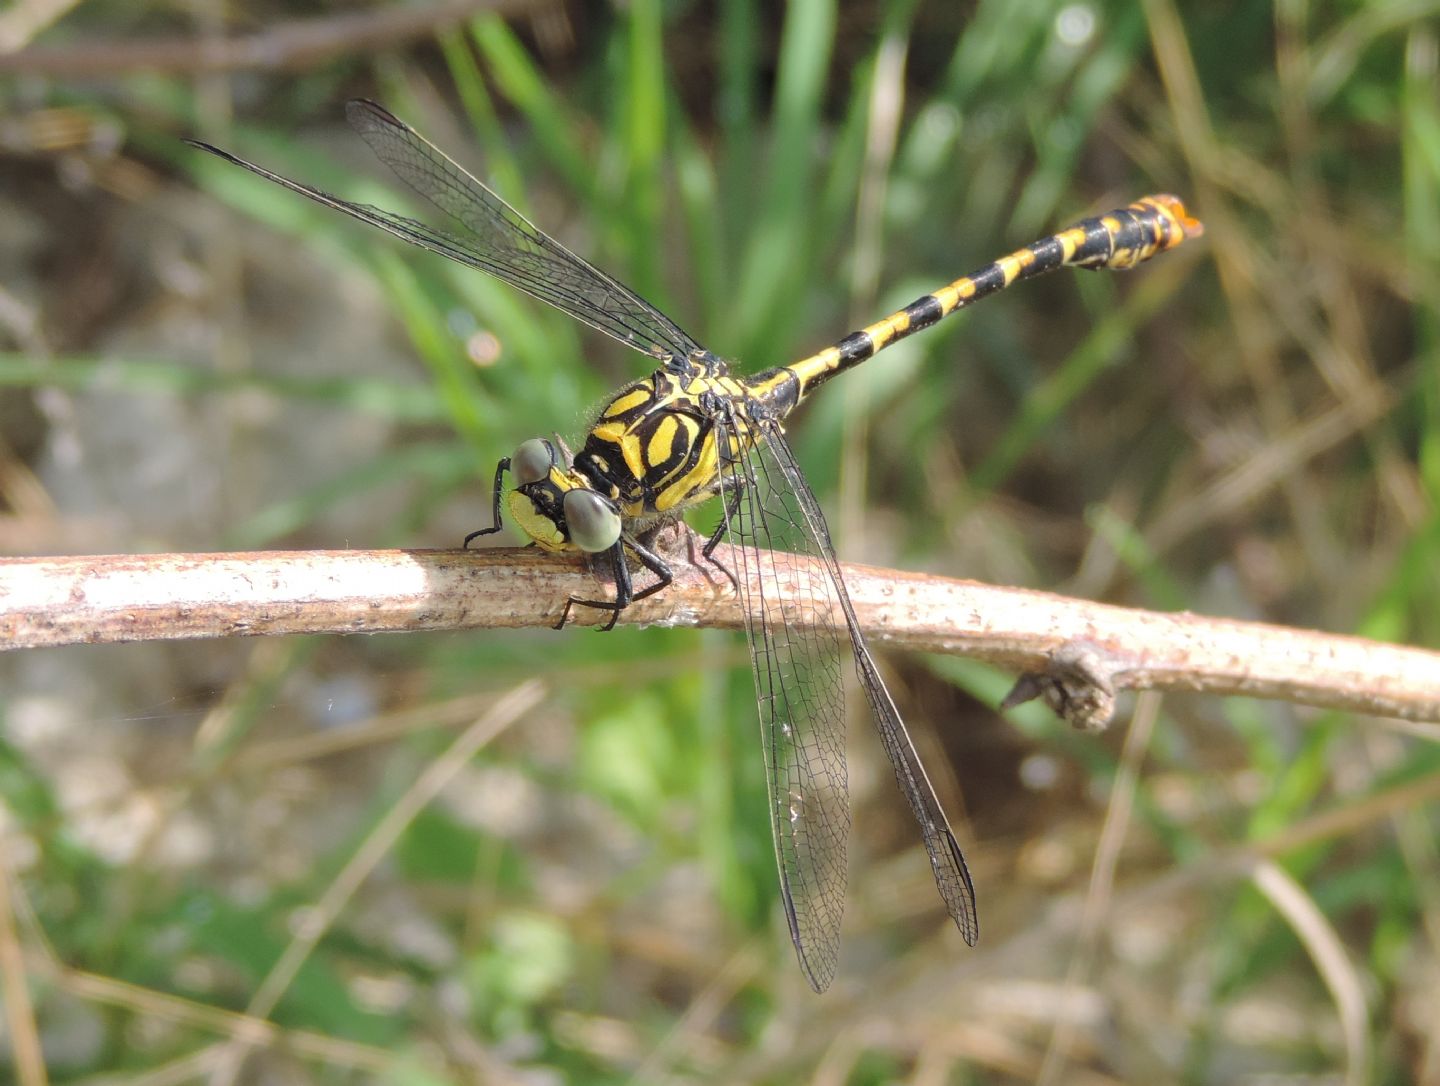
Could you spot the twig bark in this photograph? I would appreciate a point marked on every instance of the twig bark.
(290, 45)
(1057, 643)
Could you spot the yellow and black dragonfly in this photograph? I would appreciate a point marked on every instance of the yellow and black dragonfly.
(691, 431)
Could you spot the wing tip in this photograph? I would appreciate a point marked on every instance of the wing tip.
(961, 904)
(358, 111)
(225, 156)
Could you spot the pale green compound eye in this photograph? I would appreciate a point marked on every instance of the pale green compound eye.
(594, 522)
(532, 461)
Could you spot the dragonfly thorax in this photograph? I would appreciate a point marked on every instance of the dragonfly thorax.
(659, 444)
(556, 506)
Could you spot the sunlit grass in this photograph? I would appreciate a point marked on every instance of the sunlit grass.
(1247, 427)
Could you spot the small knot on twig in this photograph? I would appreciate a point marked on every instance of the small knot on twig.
(1077, 684)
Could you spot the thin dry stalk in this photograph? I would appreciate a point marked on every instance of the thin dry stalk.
(291, 45)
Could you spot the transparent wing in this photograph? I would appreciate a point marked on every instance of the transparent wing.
(790, 571)
(489, 234)
(801, 696)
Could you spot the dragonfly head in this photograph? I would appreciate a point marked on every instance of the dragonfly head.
(554, 504)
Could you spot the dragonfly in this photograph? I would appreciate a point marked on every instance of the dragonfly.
(692, 431)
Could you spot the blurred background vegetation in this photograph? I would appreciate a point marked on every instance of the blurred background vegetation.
(194, 360)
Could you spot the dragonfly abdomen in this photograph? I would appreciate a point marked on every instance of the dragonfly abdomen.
(1118, 239)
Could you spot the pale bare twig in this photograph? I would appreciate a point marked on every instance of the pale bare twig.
(19, 23)
(166, 1007)
(377, 844)
(20, 1024)
(1327, 950)
(79, 600)
(1095, 915)
(934, 1010)
(299, 43)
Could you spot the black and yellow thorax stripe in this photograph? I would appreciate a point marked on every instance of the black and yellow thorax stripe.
(656, 447)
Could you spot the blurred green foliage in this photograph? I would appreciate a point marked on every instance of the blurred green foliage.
(1249, 427)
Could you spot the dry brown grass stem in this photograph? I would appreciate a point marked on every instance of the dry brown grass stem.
(289, 45)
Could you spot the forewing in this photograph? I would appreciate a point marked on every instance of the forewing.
(800, 691)
(488, 234)
(510, 247)
(785, 514)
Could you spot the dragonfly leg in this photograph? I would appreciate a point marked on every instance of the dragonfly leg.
(656, 565)
(500, 470)
(625, 593)
(731, 480)
(732, 508)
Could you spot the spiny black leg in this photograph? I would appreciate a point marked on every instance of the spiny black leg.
(732, 507)
(656, 565)
(500, 470)
(625, 593)
(731, 479)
